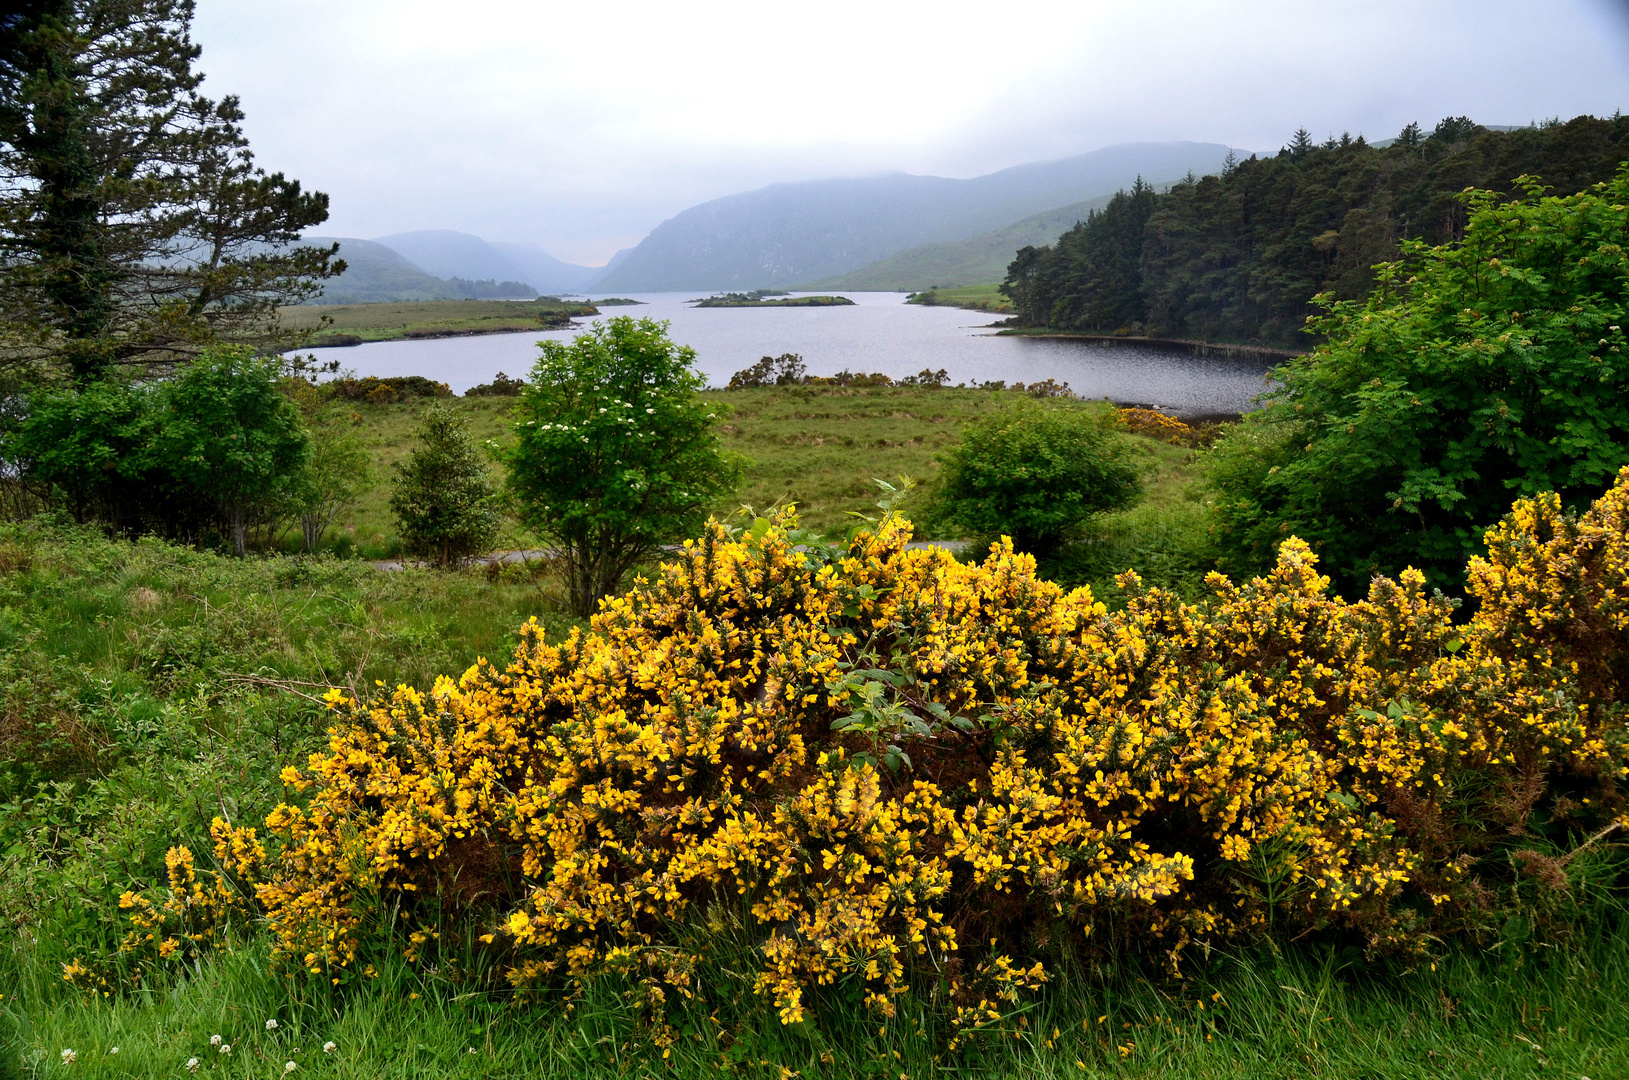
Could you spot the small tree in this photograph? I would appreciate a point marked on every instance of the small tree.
(615, 453)
(443, 498)
(341, 469)
(1036, 474)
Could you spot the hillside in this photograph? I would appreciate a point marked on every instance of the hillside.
(451, 254)
(976, 260)
(788, 234)
(374, 273)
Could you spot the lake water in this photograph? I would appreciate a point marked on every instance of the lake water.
(880, 333)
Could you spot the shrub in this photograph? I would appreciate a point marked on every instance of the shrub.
(1474, 373)
(615, 453)
(500, 386)
(787, 369)
(377, 391)
(1037, 475)
(443, 499)
(216, 446)
(910, 769)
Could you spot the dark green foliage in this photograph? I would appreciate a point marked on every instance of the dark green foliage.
(216, 448)
(1476, 373)
(379, 391)
(443, 499)
(135, 226)
(615, 453)
(500, 386)
(1037, 475)
(1239, 256)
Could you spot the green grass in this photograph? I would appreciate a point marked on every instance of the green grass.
(821, 447)
(390, 322)
(973, 297)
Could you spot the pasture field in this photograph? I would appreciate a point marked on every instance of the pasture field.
(356, 323)
(973, 297)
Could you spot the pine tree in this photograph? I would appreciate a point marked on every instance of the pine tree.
(135, 227)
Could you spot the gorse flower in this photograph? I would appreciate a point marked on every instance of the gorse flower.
(891, 756)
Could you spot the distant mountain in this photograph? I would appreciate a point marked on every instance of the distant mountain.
(975, 261)
(450, 254)
(544, 272)
(789, 234)
(377, 274)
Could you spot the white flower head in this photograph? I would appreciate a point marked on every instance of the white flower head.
(226, 1048)
(214, 1040)
(114, 1050)
(289, 1066)
(271, 1025)
(329, 1047)
(192, 1064)
(70, 1056)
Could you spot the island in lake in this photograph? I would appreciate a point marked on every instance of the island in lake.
(761, 298)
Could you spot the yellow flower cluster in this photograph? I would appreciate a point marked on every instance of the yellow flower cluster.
(1155, 424)
(881, 758)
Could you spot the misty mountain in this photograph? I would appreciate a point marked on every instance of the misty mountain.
(544, 272)
(447, 253)
(789, 234)
(377, 274)
(976, 260)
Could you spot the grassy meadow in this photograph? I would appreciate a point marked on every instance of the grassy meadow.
(973, 297)
(357, 323)
(823, 448)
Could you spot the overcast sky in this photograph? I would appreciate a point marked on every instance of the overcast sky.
(581, 126)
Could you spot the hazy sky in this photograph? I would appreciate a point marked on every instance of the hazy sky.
(580, 126)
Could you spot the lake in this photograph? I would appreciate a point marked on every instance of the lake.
(880, 333)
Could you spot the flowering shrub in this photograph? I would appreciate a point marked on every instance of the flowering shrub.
(1155, 425)
(884, 759)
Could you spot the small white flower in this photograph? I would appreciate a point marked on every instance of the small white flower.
(472, 1049)
(329, 1047)
(192, 1064)
(115, 1050)
(226, 1048)
(214, 1040)
(271, 1025)
(289, 1066)
(70, 1056)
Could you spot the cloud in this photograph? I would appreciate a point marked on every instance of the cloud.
(580, 127)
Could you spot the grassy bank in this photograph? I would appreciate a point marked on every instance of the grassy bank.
(147, 688)
(353, 324)
(823, 448)
(973, 297)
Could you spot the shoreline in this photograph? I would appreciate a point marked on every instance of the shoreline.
(1198, 348)
(435, 333)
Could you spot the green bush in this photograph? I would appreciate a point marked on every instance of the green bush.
(443, 499)
(1474, 374)
(1035, 474)
(615, 452)
(218, 447)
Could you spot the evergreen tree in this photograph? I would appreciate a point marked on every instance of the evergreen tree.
(135, 226)
(443, 499)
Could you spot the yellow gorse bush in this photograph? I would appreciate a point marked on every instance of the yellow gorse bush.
(884, 759)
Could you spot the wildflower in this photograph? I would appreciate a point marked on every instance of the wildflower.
(214, 1040)
(289, 1066)
(192, 1064)
(70, 1056)
(226, 1048)
(329, 1047)
(115, 1049)
(271, 1025)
